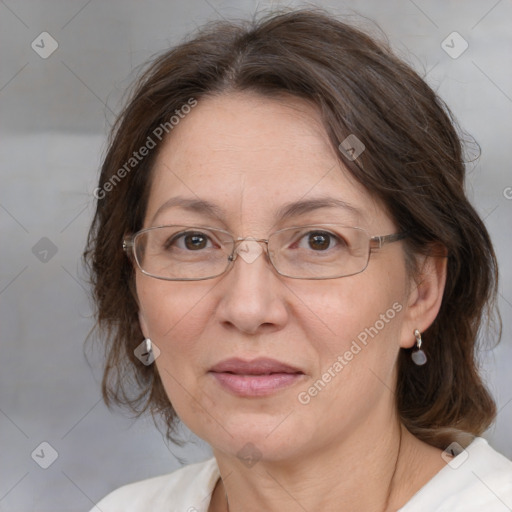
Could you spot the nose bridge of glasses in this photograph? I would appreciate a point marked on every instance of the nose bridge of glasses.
(249, 248)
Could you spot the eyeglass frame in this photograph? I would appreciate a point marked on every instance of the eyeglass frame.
(378, 242)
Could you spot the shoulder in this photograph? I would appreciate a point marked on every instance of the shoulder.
(187, 489)
(478, 478)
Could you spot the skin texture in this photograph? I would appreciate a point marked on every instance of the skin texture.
(250, 155)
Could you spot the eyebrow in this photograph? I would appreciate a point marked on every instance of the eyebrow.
(293, 209)
(308, 205)
(193, 205)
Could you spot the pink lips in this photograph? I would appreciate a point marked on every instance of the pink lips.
(259, 377)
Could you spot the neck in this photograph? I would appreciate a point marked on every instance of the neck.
(370, 472)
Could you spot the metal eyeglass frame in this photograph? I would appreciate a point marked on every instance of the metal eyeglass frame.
(375, 242)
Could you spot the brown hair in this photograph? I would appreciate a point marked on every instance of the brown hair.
(413, 162)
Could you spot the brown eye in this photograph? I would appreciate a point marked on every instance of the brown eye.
(195, 241)
(319, 241)
(189, 241)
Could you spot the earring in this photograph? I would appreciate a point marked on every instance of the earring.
(148, 354)
(419, 357)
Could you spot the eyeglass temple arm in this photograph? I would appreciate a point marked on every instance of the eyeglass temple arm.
(379, 241)
(127, 244)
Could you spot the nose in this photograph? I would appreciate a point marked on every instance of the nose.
(252, 294)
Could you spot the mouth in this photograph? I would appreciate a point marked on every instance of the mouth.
(256, 378)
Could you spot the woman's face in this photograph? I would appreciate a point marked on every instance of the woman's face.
(251, 156)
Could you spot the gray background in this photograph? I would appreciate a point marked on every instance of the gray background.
(54, 116)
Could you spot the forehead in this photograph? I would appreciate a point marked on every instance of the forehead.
(250, 155)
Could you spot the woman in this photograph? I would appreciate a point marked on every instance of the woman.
(284, 259)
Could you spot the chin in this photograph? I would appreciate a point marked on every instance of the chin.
(258, 436)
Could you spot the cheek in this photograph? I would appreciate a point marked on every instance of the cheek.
(351, 309)
(354, 331)
(166, 306)
(360, 319)
(176, 316)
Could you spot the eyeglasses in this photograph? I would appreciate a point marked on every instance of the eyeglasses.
(193, 253)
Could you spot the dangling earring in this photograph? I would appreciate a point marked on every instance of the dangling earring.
(146, 352)
(147, 356)
(418, 356)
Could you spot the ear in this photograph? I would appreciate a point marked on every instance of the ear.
(424, 297)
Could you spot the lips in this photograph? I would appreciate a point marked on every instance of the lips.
(260, 366)
(256, 378)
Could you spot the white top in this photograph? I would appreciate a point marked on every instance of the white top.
(479, 479)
